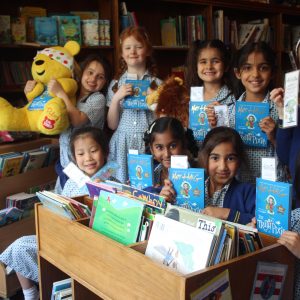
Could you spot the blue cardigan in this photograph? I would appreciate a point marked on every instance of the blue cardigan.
(240, 198)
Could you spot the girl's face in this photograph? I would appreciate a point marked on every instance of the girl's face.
(210, 66)
(134, 52)
(255, 74)
(223, 165)
(93, 78)
(163, 146)
(88, 154)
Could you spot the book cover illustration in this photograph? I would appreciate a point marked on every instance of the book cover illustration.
(11, 164)
(10, 215)
(269, 281)
(247, 118)
(189, 187)
(118, 217)
(5, 33)
(273, 206)
(140, 170)
(216, 288)
(179, 246)
(138, 99)
(198, 121)
(68, 29)
(45, 30)
(18, 30)
(90, 32)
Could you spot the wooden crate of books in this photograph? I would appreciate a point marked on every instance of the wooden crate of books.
(103, 268)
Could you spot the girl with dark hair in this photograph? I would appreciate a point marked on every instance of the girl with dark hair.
(226, 198)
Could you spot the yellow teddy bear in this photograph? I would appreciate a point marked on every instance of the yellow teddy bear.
(44, 112)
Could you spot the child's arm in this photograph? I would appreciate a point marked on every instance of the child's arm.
(168, 192)
(113, 116)
(217, 212)
(268, 126)
(291, 240)
(77, 117)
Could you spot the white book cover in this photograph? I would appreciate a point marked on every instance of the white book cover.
(179, 246)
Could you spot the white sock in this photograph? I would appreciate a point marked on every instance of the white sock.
(31, 293)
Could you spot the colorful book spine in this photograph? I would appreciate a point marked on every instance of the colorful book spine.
(189, 187)
(247, 118)
(138, 99)
(198, 121)
(273, 206)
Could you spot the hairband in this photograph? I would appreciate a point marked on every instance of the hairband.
(149, 131)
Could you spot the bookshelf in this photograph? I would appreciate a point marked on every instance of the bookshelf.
(150, 12)
(101, 268)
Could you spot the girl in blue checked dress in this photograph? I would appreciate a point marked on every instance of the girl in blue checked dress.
(89, 148)
(130, 124)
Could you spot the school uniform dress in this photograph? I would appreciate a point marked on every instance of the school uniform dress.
(94, 107)
(130, 132)
(239, 197)
(255, 154)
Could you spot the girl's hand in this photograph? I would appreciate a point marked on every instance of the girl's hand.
(268, 126)
(211, 115)
(55, 88)
(168, 192)
(217, 212)
(276, 96)
(291, 240)
(252, 223)
(30, 84)
(123, 91)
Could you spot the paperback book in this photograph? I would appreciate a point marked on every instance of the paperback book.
(198, 121)
(273, 206)
(68, 29)
(189, 187)
(45, 30)
(140, 170)
(247, 118)
(138, 98)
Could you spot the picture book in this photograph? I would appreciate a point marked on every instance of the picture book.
(45, 31)
(10, 215)
(138, 99)
(34, 160)
(168, 32)
(118, 217)
(140, 170)
(95, 188)
(290, 100)
(189, 187)
(68, 29)
(59, 286)
(5, 33)
(247, 118)
(198, 121)
(18, 30)
(90, 32)
(11, 165)
(24, 201)
(273, 206)
(179, 246)
(269, 281)
(216, 288)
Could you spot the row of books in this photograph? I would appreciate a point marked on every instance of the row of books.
(15, 73)
(62, 290)
(13, 163)
(55, 29)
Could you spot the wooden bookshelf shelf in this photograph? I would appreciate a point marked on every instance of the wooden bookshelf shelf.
(104, 269)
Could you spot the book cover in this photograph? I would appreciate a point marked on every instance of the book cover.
(18, 30)
(60, 285)
(179, 246)
(68, 29)
(95, 188)
(10, 215)
(11, 166)
(198, 121)
(247, 118)
(90, 32)
(168, 32)
(118, 217)
(273, 206)
(189, 187)
(138, 99)
(35, 160)
(5, 33)
(45, 31)
(216, 288)
(22, 200)
(140, 170)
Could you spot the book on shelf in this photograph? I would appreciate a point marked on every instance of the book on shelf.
(189, 187)
(168, 32)
(138, 98)
(24, 201)
(216, 288)
(247, 118)
(33, 160)
(59, 286)
(104, 32)
(140, 170)
(247, 33)
(52, 154)
(10, 215)
(273, 206)
(45, 31)
(118, 217)
(179, 246)
(198, 121)
(86, 14)
(5, 32)
(69, 29)
(10, 164)
(18, 30)
(90, 32)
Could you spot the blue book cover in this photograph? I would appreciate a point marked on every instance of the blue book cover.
(189, 187)
(69, 29)
(247, 118)
(140, 170)
(45, 31)
(273, 206)
(198, 119)
(138, 99)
